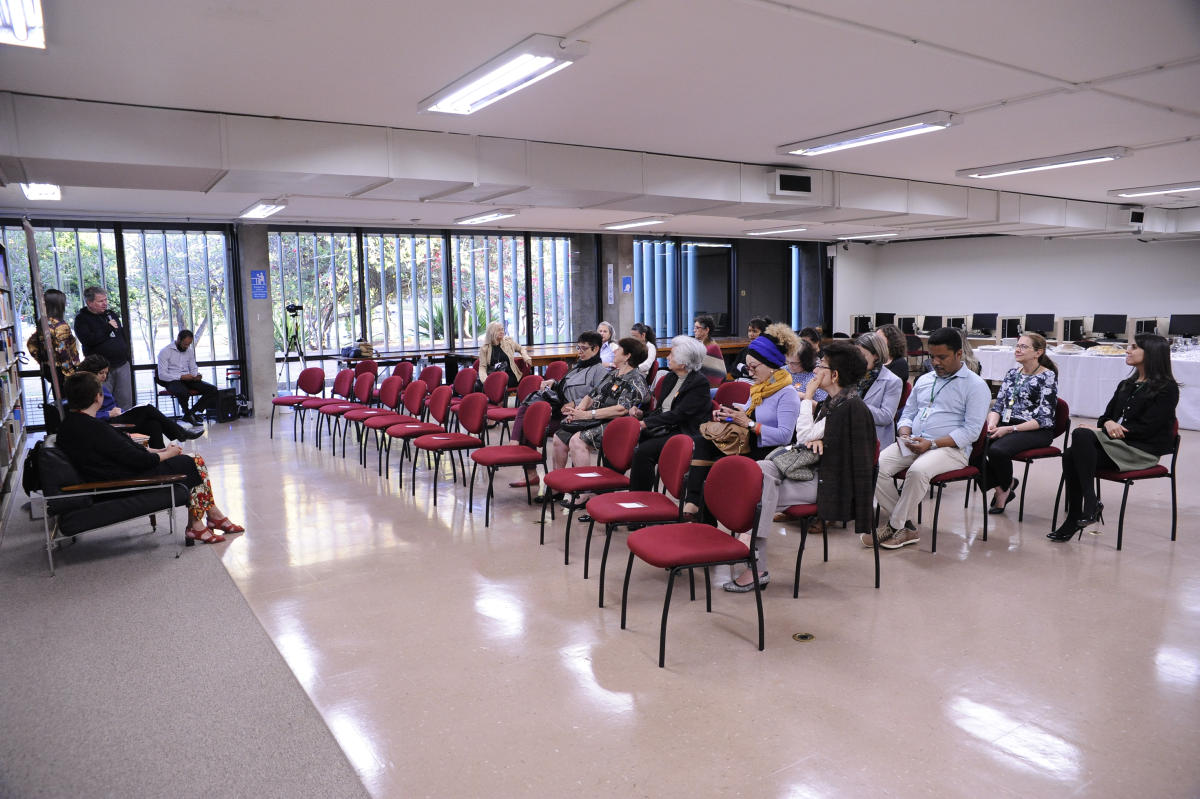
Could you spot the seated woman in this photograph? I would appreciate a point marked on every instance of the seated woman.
(101, 453)
(754, 329)
(1022, 417)
(645, 334)
(1133, 432)
(770, 416)
(845, 438)
(685, 406)
(146, 419)
(897, 349)
(968, 355)
(583, 424)
(607, 343)
(714, 361)
(879, 389)
(800, 365)
(499, 353)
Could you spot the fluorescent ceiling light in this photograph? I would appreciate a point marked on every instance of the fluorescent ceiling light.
(490, 216)
(264, 208)
(774, 230)
(536, 57)
(1150, 191)
(41, 191)
(872, 134)
(649, 220)
(705, 244)
(867, 236)
(21, 23)
(1041, 164)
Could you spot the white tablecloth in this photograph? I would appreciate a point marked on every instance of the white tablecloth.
(1087, 382)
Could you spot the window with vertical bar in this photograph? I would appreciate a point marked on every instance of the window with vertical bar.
(552, 265)
(489, 276)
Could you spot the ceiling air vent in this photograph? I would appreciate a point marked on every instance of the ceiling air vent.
(794, 183)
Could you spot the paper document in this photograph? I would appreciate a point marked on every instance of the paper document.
(632, 504)
(588, 474)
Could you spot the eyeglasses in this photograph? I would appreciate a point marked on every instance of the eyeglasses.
(1022, 347)
(582, 347)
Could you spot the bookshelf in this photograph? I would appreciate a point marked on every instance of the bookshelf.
(12, 424)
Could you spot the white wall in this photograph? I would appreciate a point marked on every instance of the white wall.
(1011, 275)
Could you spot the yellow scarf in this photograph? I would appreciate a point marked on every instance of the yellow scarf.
(779, 380)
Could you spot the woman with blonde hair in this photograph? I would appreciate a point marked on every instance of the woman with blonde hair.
(499, 353)
(608, 334)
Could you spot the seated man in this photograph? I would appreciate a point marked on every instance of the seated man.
(941, 420)
(146, 419)
(178, 373)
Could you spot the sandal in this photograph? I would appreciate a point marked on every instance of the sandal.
(206, 536)
(225, 525)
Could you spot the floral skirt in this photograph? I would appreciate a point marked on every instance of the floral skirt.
(202, 497)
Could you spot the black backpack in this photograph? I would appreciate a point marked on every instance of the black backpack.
(31, 477)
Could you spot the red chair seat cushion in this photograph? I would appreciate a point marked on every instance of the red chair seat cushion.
(363, 414)
(293, 400)
(502, 414)
(340, 408)
(318, 402)
(671, 545)
(387, 420)
(607, 508)
(1136, 474)
(1037, 452)
(413, 429)
(444, 441)
(800, 511)
(954, 475)
(572, 479)
(506, 456)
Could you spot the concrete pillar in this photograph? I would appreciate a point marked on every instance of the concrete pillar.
(259, 383)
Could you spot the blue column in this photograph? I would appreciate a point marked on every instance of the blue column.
(660, 285)
(647, 282)
(671, 327)
(690, 254)
(638, 294)
(796, 287)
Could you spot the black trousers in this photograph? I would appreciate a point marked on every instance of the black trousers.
(150, 421)
(645, 461)
(998, 469)
(182, 389)
(1081, 461)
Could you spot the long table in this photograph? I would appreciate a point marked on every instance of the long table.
(1087, 382)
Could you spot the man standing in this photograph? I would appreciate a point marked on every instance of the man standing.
(100, 332)
(178, 373)
(941, 420)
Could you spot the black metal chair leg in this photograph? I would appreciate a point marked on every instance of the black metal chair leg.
(707, 591)
(1121, 518)
(1024, 485)
(437, 463)
(587, 547)
(608, 531)
(662, 633)
(937, 508)
(471, 490)
(625, 588)
(271, 429)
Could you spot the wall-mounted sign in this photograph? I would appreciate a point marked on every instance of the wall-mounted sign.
(258, 284)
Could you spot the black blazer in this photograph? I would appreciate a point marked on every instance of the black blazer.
(1148, 417)
(846, 479)
(692, 407)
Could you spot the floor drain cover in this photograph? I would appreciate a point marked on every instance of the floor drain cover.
(803, 637)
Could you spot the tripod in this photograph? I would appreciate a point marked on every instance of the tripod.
(295, 341)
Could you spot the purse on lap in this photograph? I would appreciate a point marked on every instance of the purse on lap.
(795, 462)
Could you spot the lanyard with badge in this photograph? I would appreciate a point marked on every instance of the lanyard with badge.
(933, 395)
(1012, 397)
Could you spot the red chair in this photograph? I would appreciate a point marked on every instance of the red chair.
(413, 402)
(388, 397)
(409, 429)
(732, 493)
(529, 453)
(368, 366)
(432, 375)
(905, 390)
(970, 473)
(506, 416)
(625, 508)
(495, 388)
(652, 372)
(617, 446)
(729, 393)
(464, 384)
(471, 415)
(343, 384)
(364, 384)
(312, 382)
(1130, 477)
(1062, 427)
(557, 370)
(404, 370)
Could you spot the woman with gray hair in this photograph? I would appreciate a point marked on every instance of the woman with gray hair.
(880, 388)
(685, 405)
(608, 344)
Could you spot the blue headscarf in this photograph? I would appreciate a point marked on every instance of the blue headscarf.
(768, 352)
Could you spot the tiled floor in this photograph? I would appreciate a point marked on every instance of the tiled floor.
(451, 659)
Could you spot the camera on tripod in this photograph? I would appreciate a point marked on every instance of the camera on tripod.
(293, 308)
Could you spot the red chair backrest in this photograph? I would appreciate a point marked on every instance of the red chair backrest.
(658, 392)
(495, 387)
(472, 414)
(557, 370)
(311, 380)
(528, 385)
(432, 375)
(1062, 417)
(403, 370)
(653, 370)
(364, 386)
(977, 447)
(537, 419)
(464, 382)
(363, 367)
(905, 390)
(389, 391)
(343, 382)
(523, 367)
(729, 393)
(439, 403)
(674, 462)
(619, 441)
(414, 397)
(732, 491)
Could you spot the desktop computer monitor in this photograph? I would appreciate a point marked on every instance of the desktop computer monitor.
(1109, 325)
(1147, 325)
(1072, 329)
(956, 322)
(862, 324)
(931, 323)
(1010, 327)
(1042, 323)
(884, 319)
(1187, 324)
(907, 325)
(984, 322)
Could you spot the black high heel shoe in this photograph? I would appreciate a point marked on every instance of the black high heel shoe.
(1090, 519)
(1065, 532)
